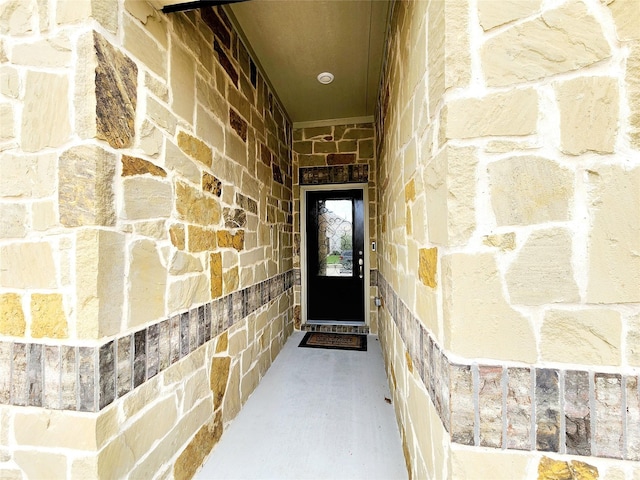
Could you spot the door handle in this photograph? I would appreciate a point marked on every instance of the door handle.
(361, 274)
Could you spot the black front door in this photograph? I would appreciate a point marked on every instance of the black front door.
(335, 256)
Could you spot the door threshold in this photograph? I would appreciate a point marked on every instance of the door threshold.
(332, 327)
(335, 322)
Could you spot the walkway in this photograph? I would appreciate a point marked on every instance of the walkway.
(317, 414)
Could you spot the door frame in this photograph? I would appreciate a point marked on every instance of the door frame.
(303, 248)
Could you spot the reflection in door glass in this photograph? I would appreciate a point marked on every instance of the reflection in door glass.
(335, 238)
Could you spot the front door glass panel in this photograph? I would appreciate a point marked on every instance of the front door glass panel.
(335, 238)
(335, 255)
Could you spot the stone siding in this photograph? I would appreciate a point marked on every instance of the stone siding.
(334, 155)
(146, 248)
(508, 174)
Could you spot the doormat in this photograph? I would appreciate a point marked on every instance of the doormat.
(338, 341)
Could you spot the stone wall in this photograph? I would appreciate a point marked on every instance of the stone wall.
(333, 155)
(508, 175)
(145, 236)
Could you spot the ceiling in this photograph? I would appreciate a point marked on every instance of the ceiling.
(295, 40)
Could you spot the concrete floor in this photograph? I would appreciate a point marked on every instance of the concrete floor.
(317, 414)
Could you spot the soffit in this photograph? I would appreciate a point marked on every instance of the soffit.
(295, 40)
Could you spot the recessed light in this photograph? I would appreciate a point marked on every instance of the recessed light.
(325, 78)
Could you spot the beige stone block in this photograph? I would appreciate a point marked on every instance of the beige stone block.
(436, 35)
(231, 403)
(632, 80)
(182, 263)
(152, 228)
(154, 424)
(196, 207)
(633, 341)
(235, 149)
(84, 467)
(561, 40)
(9, 82)
(55, 429)
(230, 280)
(493, 14)
(43, 216)
(85, 187)
(147, 283)
(542, 272)
(100, 273)
(188, 291)
(626, 15)
(16, 17)
(473, 463)
(141, 398)
(249, 383)
(146, 198)
(13, 220)
(48, 318)
(588, 337)
(52, 52)
(153, 20)
(209, 129)
(449, 181)
(528, 190)
(73, 11)
(7, 133)
(457, 51)
(45, 113)
(176, 160)
(182, 83)
(504, 146)
(27, 265)
(109, 421)
(588, 114)
(510, 113)
(195, 390)
(12, 320)
(137, 41)
(504, 242)
(172, 443)
(474, 307)
(116, 459)
(32, 176)
(162, 117)
(150, 140)
(177, 236)
(39, 464)
(237, 342)
(614, 243)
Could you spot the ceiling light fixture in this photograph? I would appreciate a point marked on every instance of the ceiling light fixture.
(325, 78)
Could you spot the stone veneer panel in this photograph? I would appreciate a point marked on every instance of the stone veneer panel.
(528, 190)
(530, 393)
(45, 117)
(588, 113)
(549, 110)
(561, 40)
(85, 187)
(472, 290)
(543, 273)
(129, 360)
(614, 209)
